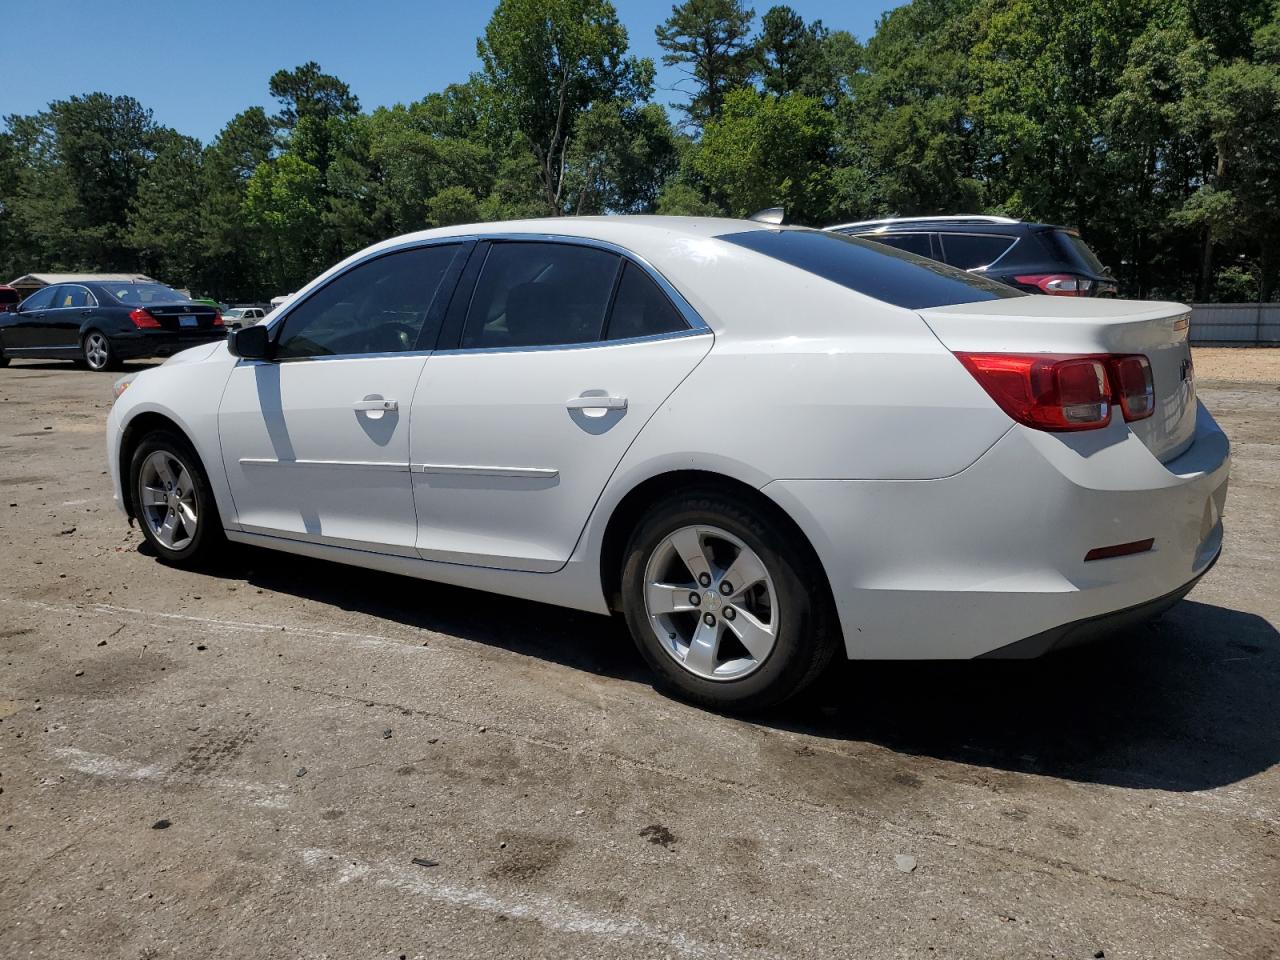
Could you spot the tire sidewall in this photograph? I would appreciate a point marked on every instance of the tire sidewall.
(788, 664)
(208, 524)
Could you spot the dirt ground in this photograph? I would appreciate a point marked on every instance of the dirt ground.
(309, 731)
(1238, 364)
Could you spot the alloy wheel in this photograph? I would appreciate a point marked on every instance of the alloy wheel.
(711, 603)
(97, 352)
(167, 497)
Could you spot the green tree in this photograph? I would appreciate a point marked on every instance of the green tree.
(81, 162)
(710, 41)
(769, 151)
(307, 91)
(619, 158)
(229, 268)
(546, 62)
(284, 209)
(164, 222)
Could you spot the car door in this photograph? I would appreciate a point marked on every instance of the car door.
(26, 332)
(315, 441)
(563, 351)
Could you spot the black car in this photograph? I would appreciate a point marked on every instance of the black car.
(1035, 257)
(100, 324)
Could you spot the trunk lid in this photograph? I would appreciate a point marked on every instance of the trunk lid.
(170, 316)
(1066, 325)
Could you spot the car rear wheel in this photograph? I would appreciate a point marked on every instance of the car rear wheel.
(173, 502)
(98, 354)
(724, 603)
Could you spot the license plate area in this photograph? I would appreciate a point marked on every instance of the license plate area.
(188, 321)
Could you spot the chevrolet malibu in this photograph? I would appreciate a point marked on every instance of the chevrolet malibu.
(762, 445)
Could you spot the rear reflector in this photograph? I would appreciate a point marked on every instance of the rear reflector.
(143, 320)
(1119, 550)
(1045, 391)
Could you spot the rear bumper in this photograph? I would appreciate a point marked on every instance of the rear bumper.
(963, 566)
(1096, 628)
(162, 343)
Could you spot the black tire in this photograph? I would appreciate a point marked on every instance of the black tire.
(4, 360)
(98, 354)
(208, 541)
(807, 635)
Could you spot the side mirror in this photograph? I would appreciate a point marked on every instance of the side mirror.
(250, 343)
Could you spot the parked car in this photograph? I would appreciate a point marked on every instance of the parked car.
(1034, 257)
(101, 324)
(9, 298)
(761, 444)
(243, 316)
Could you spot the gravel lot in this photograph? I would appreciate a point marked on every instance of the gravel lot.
(308, 730)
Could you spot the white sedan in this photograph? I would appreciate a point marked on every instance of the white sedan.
(761, 444)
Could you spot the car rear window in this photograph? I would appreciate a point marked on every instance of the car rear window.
(9, 295)
(873, 269)
(133, 293)
(1077, 250)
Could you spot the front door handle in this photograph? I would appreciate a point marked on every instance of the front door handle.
(597, 403)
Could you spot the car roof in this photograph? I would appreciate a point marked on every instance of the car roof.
(966, 223)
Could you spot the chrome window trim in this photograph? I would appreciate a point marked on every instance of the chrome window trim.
(982, 268)
(697, 325)
(91, 305)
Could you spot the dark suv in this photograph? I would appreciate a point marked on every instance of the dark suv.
(1034, 257)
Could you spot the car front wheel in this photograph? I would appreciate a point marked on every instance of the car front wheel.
(725, 603)
(173, 502)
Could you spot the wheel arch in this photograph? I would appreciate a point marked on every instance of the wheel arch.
(139, 427)
(632, 506)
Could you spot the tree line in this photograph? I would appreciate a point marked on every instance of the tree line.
(1152, 125)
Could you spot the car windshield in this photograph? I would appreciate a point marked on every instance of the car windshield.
(146, 293)
(236, 312)
(873, 269)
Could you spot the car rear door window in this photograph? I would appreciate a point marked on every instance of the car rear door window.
(379, 306)
(917, 243)
(872, 269)
(969, 250)
(537, 294)
(641, 309)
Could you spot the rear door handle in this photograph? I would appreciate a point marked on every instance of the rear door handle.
(597, 403)
(375, 404)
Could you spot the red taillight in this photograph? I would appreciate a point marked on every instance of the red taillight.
(217, 319)
(143, 320)
(1057, 284)
(1134, 388)
(1045, 391)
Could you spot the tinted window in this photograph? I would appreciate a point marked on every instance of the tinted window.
(143, 293)
(71, 296)
(893, 276)
(641, 309)
(40, 299)
(9, 295)
(540, 294)
(969, 250)
(1078, 251)
(380, 306)
(917, 243)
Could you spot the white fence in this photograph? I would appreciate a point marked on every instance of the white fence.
(1235, 324)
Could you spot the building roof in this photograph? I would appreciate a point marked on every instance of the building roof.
(48, 279)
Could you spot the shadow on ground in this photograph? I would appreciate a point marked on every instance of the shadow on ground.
(1187, 703)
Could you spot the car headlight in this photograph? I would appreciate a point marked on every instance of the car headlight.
(121, 385)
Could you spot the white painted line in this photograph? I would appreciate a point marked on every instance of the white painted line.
(550, 912)
(115, 768)
(216, 623)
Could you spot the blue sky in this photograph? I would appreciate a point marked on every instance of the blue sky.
(196, 63)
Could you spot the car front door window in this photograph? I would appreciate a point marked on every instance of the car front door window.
(380, 306)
